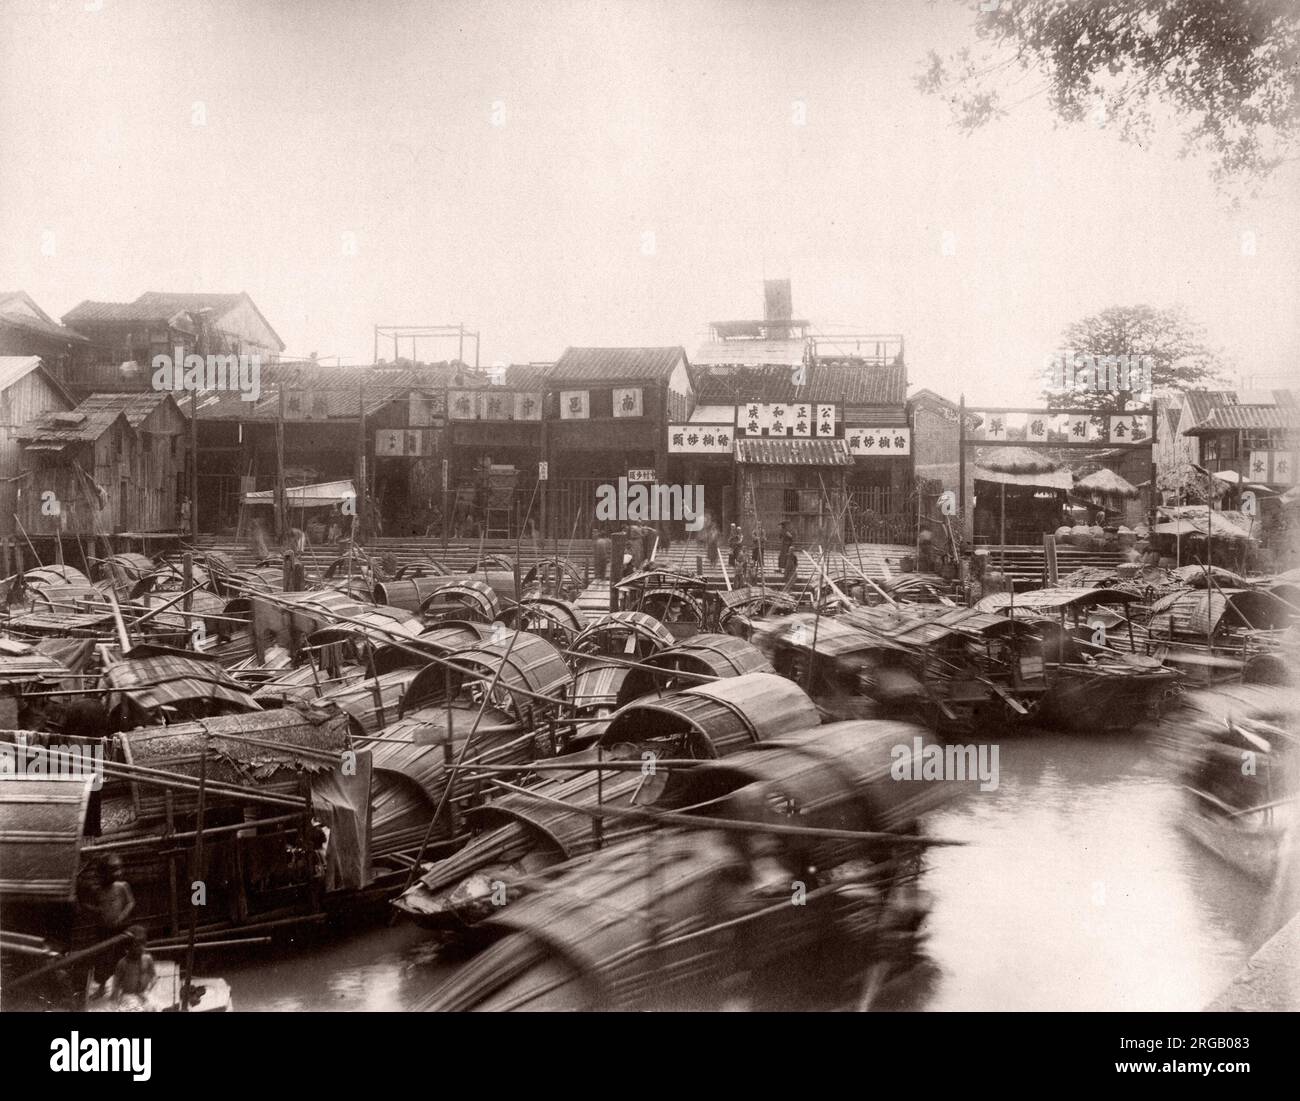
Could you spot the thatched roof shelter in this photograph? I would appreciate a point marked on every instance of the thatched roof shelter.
(1106, 483)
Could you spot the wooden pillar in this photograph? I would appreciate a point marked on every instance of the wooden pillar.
(544, 489)
(359, 501)
(281, 520)
(617, 549)
(194, 466)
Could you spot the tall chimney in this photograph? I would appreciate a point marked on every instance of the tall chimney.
(777, 307)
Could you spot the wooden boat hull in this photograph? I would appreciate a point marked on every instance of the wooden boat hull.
(1097, 701)
(1253, 851)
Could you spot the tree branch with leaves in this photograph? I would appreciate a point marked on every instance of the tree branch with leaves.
(1227, 70)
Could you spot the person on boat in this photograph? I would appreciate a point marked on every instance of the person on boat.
(735, 545)
(600, 549)
(634, 545)
(927, 561)
(711, 538)
(135, 972)
(114, 904)
(786, 560)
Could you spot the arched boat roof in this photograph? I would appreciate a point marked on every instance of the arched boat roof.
(469, 592)
(720, 717)
(532, 664)
(716, 655)
(1196, 611)
(642, 626)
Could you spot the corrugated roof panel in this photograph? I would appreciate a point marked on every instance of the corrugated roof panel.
(1247, 416)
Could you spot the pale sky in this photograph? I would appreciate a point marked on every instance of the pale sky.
(503, 165)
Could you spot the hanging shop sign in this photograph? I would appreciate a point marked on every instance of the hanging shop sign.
(788, 419)
(398, 443)
(1272, 467)
(891, 442)
(701, 439)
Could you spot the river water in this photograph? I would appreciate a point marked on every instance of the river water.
(1076, 890)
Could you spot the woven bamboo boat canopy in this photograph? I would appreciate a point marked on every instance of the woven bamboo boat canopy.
(153, 677)
(1051, 600)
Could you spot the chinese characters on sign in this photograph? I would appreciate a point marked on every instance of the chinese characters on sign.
(1129, 429)
(575, 405)
(1047, 426)
(398, 442)
(627, 402)
(701, 439)
(462, 405)
(794, 419)
(1272, 467)
(879, 441)
(493, 405)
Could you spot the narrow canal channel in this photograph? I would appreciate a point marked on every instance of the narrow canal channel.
(1076, 890)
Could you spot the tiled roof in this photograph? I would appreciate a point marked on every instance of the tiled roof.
(151, 306)
(161, 306)
(166, 303)
(90, 312)
(41, 328)
(792, 452)
(59, 428)
(518, 376)
(136, 407)
(21, 303)
(851, 385)
(616, 364)
(1229, 417)
(324, 393)
(1200, 403)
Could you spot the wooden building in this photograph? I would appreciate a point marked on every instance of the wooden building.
(115, 463)
(1255, 437)
(799, 443)
(328, 423)
(494, 420)
(606, 417)
(27, 389)
(124, 337)
(27, 330)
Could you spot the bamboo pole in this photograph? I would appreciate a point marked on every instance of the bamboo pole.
(198, 869)
(732, 825)
(446, 791)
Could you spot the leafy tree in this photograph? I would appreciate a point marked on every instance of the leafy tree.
(1229, 70)
(1179, 359)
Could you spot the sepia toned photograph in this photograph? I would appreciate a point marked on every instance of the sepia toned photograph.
(649, 506)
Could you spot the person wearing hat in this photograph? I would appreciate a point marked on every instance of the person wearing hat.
(787, 560)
